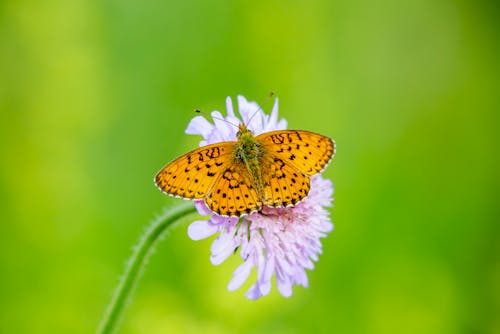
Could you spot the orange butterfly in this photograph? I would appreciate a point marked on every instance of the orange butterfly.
(237, 178)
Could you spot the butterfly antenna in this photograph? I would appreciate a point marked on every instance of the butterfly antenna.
(198, 111)
(269, 96)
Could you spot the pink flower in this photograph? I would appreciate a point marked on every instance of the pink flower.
(277, 241)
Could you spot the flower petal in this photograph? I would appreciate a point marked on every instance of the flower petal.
(199, 126)
(265, 277)
(246, 110)
(282, 124)
(202, 208)
(201, 229)
(284, 287)
(222, 247)
(240, 275)
(229, 106)
(254, 292)
(272, 121)
(225, 130)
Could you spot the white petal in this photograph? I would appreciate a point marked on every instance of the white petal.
(201, 229)
(199, 126)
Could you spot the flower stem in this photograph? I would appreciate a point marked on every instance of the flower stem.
(136, 264)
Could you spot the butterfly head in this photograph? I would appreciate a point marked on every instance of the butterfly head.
(247, 144)
(243, 132)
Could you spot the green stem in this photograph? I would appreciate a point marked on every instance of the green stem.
(136, 264)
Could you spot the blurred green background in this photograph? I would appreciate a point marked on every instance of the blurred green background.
(94, 99)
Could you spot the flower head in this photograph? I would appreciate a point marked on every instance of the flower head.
(277, 241)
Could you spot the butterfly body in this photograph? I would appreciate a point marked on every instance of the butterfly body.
(249, 151)
(239, 177)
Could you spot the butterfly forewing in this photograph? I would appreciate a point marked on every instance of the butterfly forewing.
(308, 151)
(194, 174)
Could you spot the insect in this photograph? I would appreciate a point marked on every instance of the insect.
(237, 178)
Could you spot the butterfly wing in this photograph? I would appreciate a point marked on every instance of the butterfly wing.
(309, 152)
(234, 194)
(192, 175)
(284, 184)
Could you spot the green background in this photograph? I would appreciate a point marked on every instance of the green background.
(94, 99)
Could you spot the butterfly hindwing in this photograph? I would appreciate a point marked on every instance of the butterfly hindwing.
(194, 174)
(234, 193)
(308, 151)
(284, 185)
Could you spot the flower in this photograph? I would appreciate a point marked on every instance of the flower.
(277, 241)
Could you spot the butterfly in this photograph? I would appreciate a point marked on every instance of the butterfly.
(237, 178)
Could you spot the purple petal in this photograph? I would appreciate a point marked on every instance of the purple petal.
(265, 277)
(307, 263)
(246, 249)
(246, 109)
(273, 117)
(243, 108)
(199, 126)
(222, 247)
(223, 128)
(285, 266)
(214, 137)
(234, 122)
(326, 226)
(263, 286)
(282, 125)
(229, 106)
(201, 229)
(240, 275)
(284, 286)
(202, 208)
(254, 292)
(301, 278)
